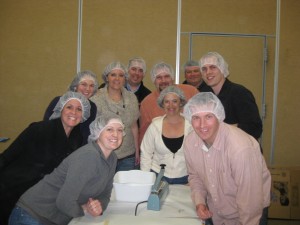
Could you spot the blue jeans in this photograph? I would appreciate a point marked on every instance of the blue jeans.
(127, 163)
(264, 217)
(178, 180)
(20, 217)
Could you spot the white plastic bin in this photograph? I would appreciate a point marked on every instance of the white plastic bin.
(133, 185)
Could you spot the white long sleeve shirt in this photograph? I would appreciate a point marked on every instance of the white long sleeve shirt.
(154, 152)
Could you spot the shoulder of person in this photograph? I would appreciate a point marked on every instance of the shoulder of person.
(55, 100)
(145, 89)
(152, 97)
(187, 87)
(238, 87)
(44, 124)
(158, 119)
(99, 96)
(43, 128)
(87, 151)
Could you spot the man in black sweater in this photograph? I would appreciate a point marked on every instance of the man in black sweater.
(239, 103)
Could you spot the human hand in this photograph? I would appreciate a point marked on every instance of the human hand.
(93, 207)
(203, 212)
(137, 158)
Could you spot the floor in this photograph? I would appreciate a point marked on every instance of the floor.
(283, 222)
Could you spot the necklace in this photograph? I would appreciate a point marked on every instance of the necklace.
(116, 107)
(123, 104)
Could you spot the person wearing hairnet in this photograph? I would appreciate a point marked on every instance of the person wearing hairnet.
(84, 82)
(239, 103)
(136, 74)
(115, 98)
(40, 148)
(228, 176)
(163, 140)
(162, 75)
(192, 74)
(81, 184)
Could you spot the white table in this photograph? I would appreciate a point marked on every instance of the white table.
(177, 209)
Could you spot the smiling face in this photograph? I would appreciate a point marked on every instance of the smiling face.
(111, 137)
(86, 87)
(171, 104)
(135, 75)
(193, 75)
(206, 126)
(71, 115)
(212, 75)
(116, 79)
(163, 80)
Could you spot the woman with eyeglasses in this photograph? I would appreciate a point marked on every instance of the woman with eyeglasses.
(85, 82)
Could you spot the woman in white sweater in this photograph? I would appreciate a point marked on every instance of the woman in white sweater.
(163, 140)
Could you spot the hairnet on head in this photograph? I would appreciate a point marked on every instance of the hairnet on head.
(85, 104)
(137, 62)
(174, 90)
(84, 75)
(216, 59)
(98, 125)
(204, 102)
(113, 66)
(190, 63)
(161, 67)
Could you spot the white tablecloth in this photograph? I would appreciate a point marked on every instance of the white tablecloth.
(177, 209)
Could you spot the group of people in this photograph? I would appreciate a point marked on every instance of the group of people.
(205, 131)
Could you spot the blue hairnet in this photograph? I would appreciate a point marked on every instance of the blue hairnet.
(85, 104)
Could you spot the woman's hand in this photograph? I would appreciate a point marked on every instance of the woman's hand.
(93, 207)
(137, 157)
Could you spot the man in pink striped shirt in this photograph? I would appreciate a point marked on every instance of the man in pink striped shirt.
(228, 176)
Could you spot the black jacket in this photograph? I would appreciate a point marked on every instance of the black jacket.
(39, 149)
(240, 108)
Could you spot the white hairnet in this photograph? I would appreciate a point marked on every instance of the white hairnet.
(190, 63)
(85, 104)
(82, 75)
(171, 89)
(113, 66)
(216, 59)
(98, 125)
(137, 62)
(161, 67)
(204, 102)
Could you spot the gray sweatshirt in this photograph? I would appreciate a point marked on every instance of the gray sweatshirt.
(82, 175)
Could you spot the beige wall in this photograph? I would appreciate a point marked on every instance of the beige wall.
(38, 47)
